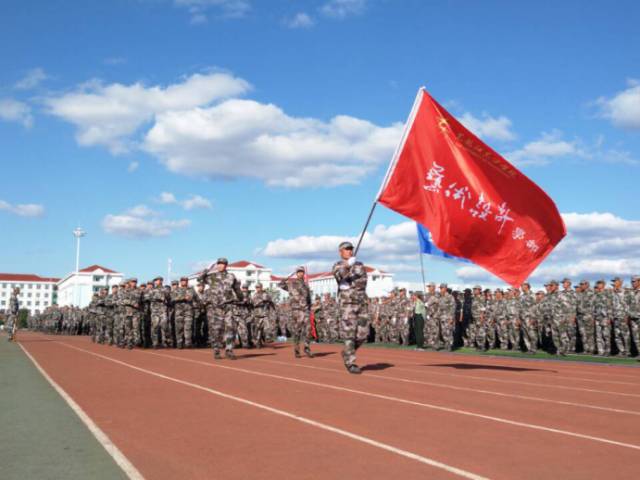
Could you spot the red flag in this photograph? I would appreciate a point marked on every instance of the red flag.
(475, 203)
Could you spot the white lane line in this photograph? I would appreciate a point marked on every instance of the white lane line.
(115, 453)
(462, 389)
(407, 402)
(323, 426)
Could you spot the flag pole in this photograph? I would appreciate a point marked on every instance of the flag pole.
(392, 163)
(424, 281)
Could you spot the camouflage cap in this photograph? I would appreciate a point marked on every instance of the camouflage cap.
(222, 260)
(186, 279)
(431, 284)
(600, 282)
(566, 279)
(444, 285)
(635, 278)
(158, 278)
(245, 285)
(132, 280)
(616, 279)
(258, 285)
(584, 281)
(300, 269)
(477, 287)
(576, 287)
(345, 246)
(174, 282)
(553, 282)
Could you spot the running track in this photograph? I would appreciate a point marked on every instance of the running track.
(180, 414)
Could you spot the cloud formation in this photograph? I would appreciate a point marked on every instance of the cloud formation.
(341, 9)
(23, 209)
(32, 79)
(109, 115)
(623, 109)
(141, 222)
(192, 203)
(14, 111)
(199, 9)
(299, 20)
(488, 127)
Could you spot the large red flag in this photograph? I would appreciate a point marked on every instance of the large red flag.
(475, 203)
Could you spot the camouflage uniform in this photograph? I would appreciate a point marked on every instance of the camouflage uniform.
(182, 300)
(560, 312)
(620, 327)
(501, 321)
(319, 321)
(263, 318)
(570, 301)
(478, 314)
(158, 298)
(353, 302)
(513, 321)
(300, 303)
(284, 317)
(602, 319)
(632, 299)
(224, 294)
(431, 326)
(12, 318)
(404, 315)
(132, 315)
(585, 320)
(245, 319)
(529, 319)
(446, 318)
(330, 313)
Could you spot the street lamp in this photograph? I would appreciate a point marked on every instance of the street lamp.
(78, 233)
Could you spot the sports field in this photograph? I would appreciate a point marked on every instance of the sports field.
(181, 414)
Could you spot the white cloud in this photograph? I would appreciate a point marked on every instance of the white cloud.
(112, 61)
(299, 20)
(14, 111)
(109, 115)
(541, 152)
(245, 138)
(141, 222)
(623, 109)
(198, 9)
(32, 79)
(23, 210)
(196, 201)
(192, 203)
(133, 166)
(489, 127)
(343, 8)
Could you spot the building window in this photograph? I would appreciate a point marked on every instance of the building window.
(28, 304)
(29, 294)
(98, 278)
(45, 295)
(37, 304)
(44, 304)
(30, 286)
(4, 302)
(38, 287)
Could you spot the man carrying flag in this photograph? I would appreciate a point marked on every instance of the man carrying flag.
(475, 204)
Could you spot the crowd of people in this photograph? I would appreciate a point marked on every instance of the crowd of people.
(561, 320)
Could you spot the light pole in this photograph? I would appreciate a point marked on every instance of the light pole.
(78, 233)
(169, 265)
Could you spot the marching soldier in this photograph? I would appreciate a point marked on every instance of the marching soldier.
(300, 302)
(264, 312)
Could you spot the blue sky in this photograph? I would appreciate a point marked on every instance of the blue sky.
(270, 125)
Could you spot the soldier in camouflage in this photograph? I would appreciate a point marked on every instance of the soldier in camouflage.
(12, 313)
(264, 312)
(478, 309)
(351, 276)
(446, 316)
(225, 293)
(570, 299)
(528, 318)
(619, 317)
(330, 314)
(559, 311)
(632, 299)
(431, 327)
(404, 315)
(132, 314)
(300, 303)
(584, 318)
(159, 298)
(513, 318)
(602, 319)
(245, 319)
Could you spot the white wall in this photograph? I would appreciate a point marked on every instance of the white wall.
(34, 296)
(79, 289)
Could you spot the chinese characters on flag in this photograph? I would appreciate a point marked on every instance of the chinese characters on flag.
(476, 204)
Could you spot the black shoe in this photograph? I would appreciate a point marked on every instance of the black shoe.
(297, 354)
(179, 347)
(308, 353)
(354, 369)
(130, 347)
(230, 355)
(217, 356)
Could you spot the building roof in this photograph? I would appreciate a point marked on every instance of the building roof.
(276, 278)
(245, 263)
(25, 277)
(93, 268)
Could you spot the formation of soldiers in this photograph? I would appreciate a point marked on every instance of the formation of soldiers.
(220, 313)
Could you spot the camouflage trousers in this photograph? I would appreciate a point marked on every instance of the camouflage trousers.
(572, 333)
(354, 329)
(223, 326)
(333, 328)
(530, 334)
(263, 330)
(492, 333)
(183, 321)
(109, 334)
(404, 330)
(469, 335)
(11, 321)
(514, 333)
(300, 328)
(245, 327)
(560, 334)
(603, 336)
(381, 332)
(118, 329)
(447, 327)
(587, 329)
(634, 326)
(480, 334)
(622, 335)
(392, 331)
(160, 328)
(432, 335)
(503, 334)
(131, 332)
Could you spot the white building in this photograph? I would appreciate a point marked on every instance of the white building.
(78, 289)
(379, 283)
(246, 272)
(36, 293)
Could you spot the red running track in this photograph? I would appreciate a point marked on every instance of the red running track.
(180, 414)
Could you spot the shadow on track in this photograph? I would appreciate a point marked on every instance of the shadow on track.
(322, 354)
(254, 355)
(474, 366)
(376, 366)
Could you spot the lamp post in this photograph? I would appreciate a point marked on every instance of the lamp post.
(78, 233)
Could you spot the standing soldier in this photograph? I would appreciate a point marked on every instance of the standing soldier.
(263, 317)
(330, 314)
(446, 316)
(528, 318)
(478, 318)
(300, 302)
(132, 304)
(13, 311)
(559, 312)
(501, 319)
(619, 318)
(118, 324)
(633, 309)
(110, 314)
(351, 276)
(159, 299)
(200, 316)
(404, 316)
(284, 318)
(513, 317)
(570, 300)
(318, 318)
(225, 294)
(182, 300)
(602, 318)
(431, 327)
(585, 319)
(243, 313)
